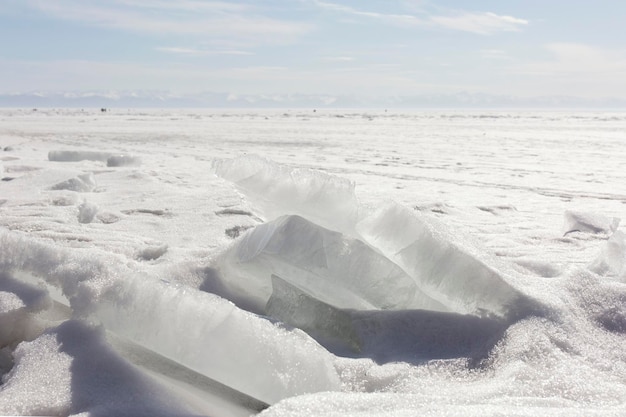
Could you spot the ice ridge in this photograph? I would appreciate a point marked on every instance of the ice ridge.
(314, 246)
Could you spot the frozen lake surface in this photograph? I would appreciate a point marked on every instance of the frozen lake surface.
(298, 263)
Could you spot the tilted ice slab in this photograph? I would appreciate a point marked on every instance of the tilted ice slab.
(384, 335)
(327, 199)
(446, 265)
(201, 331)
(337, 269)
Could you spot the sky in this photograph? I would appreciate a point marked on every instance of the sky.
(369, 47)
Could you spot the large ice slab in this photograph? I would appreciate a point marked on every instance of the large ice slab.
(449, 270)
(335, 268)
(384, 335)
(201, 331)
(278, 189)
(446, 265)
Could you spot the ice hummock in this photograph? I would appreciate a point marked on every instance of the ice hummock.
(440, 269)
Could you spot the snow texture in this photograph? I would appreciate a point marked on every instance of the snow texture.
(369, 263)
(577, 221)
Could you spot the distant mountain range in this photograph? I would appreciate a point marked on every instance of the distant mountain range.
(156, 99)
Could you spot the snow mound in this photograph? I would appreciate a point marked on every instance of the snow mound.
(612, 260)
(278, 190)
(76, 156)
(87, 212)
(84, 183)
(577, 221)
(339, 270)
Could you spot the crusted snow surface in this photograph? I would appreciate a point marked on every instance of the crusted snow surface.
(133, 299)
(589, 222)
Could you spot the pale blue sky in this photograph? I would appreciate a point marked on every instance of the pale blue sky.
(369, 47)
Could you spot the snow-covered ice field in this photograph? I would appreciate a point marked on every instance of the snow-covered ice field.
(301, 263)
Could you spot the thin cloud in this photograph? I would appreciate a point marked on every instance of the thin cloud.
(388, 17)
(199, 52)
(575, 68)
(484, 23)
(496, 54)
(186, 5)
(481, 23)
(338, 58)
(187, 17)
(579, 59)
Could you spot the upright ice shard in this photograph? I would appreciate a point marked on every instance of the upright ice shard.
(278, 189)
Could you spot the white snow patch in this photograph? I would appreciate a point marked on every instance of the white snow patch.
(612, 259)
(587, 222)
(83, 183)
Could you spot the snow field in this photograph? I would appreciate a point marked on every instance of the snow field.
(492, 284)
